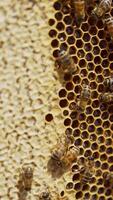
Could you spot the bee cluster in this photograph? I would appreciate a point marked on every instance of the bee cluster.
(81, 33)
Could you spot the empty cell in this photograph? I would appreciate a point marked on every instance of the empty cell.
(94, 146)
(57, 5)
(106, 124)
(90, 66)
(75, 124)
(101, 190)
(68, 131)
(99, 131)
(97, 60)
(110, 46)
(69, 30)
(62, 93)
(71, 40)
(77, 186)
(51, 22)
(79, 43)
(56, 53)
(95, 104)
(104, 53)
(97, 113)
(97, 163)
(52, 33)
(90, 119)
(102, 198)
(104, 166)
(76, 133)
(64, 46)
(60, 26)
(77, 89)
(73, 115)
(89, 110)
(87, 47)
(86, 144)
(72, 50)
(94, 94)
(111, 118)
(84, 27)
(62, 36)
(65, 112)
(96, 50)
(98, 122)
(105, 63)
(68, 20)
(83, 126)
(101, 34)
(94, 40)
(93, 188)
(76, 79)
(78, 33)
(84, 135)
(82, 63)
(100, 78)
(102, 148)
(78, 142)
(69, 86)
(70, 96)
(100, 88)
(67, 122)
(101, 139)
(58, 16)
(93, 86)
(49, 117)
(103, 44)
(109, 150)
(108, 141)
(81, 116)
(81, 53)
(93, 30)
(72, 106)
(98, 69)
(54, 43)
(66, 10)
(88, 153)
(93, 137)
(69, 185)
(105, 115)
(103, 157)
(87, 195)
(91, 128)
(83, 72)
(63, 103)
(91, 76)
(79, 195)
(111, 56)
(86, 37)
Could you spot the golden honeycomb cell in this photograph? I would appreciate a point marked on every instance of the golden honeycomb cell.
(92, 50)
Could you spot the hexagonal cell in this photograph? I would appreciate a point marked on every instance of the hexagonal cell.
(79, 43)
(58, 16)
(78, 33)
(55, 43)
(57, 5)
(68, 20)
(81, 53)
(85, 27)
(60, 26)
(52, 33)
(62, 36)
(71, 40)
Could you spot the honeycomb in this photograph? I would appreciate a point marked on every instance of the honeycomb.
(91, 48)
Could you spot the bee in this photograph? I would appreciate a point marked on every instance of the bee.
(109, 24)
(87, 170)
(108, 178)
(84, 97)
(106, 97)
(61, 159)
(103, 7)
(79, 8)
(65, 64)
(25, 178)
(108, 83)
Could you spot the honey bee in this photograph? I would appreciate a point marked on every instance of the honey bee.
(109, 24)
(106, 97)
(25, 178)
(61, 159)
(79, 8)
(108, 178)
(103, 7)
(87, 170)
(84, 97)
(65, 64)
(108, 83)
